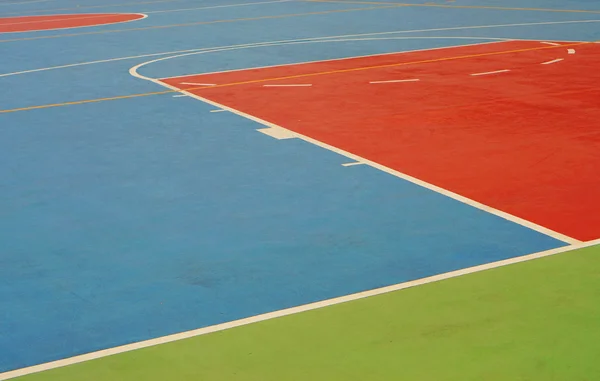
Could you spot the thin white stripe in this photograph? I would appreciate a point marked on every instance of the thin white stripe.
(286, 312)
(490, 72)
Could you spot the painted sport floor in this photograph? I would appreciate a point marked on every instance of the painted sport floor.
(287, 190)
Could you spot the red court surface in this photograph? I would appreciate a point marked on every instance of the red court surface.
(522, 139)
(50, 22)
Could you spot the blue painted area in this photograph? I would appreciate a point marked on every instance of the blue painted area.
(126, 220)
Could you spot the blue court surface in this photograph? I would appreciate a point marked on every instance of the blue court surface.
(128, 219)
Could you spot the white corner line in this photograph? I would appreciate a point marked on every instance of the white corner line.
(490, 72)
(465, 200)
(198, 84)
(571, 51)
(553, 61)
(297, 85)
(396, 81)
(352, 164)
(88, 15)
(288, 311)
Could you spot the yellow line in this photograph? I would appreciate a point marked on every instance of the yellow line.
(203, 23)
(456, 6)
(395, 65)
(86, 101)
(298, 76)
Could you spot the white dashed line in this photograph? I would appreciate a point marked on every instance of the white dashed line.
(198, 84)
(352, 164)
(490, 72)
(396, 81)
(553, 61)
(217, 110)
(179, 95)
(550, 43)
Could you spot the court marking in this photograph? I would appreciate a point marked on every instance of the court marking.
(202, 23)
(86, 7)
(289, 311)
(134, 69)
(352, 164)
(75, 18)
(553, 61)
(396, 81)
(296, 40)
(490, 72)
(458, 197)
(442, 59)
(26, 2)
(457, 6)
(217, 6)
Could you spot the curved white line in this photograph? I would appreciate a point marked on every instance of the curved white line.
(87, 7)
(82, 26)
(465, 200)
(301, 39)
(134, 70)
(218, 6)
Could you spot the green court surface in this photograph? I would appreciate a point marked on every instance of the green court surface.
(537, 320)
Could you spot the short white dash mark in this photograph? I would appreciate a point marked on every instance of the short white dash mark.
(352, 164)
(198, 84)
(550, 43)
(277, 133)
(571, 51)
(297, 85)
(220, 110)
(179, 95)
(553, 61)
(396, 81)
(490, 72)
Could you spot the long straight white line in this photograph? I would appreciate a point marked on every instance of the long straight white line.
(396, 81)
(287, 312)
(476, 204)
(296, 40)
(217, 6)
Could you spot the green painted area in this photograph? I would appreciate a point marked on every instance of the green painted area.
(538, 320)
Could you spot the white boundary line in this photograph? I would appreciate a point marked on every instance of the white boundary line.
(559, 236)
(296, 40)
(217, 6)
(78, 27)
(290, 85)
(288, 311)
(29, 12)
